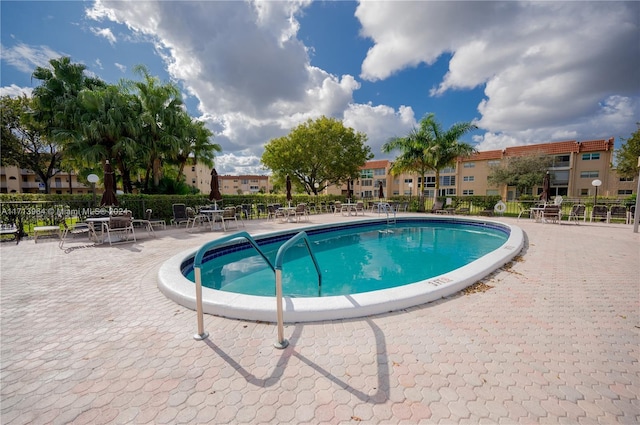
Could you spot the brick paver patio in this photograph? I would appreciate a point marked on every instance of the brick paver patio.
(87, 338)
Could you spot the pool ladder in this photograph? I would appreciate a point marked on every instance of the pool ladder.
(277, 269)
(388, 209)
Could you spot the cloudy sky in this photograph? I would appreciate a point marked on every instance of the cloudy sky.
(524, 72)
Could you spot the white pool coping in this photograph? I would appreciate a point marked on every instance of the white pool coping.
(175, 286)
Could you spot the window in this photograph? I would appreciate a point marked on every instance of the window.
(560, 178)
(193, 168)
(467, 192)
(626, 179)
(447, 180)
(584, 192)
(380, 172)
(244, 181)
(590, 156)
(625, 192)
(193, 181)
(469, 165)
(407, 181)
(561, 161)
(384, 183)
(492, 192)
(588, 174)
(367, 182)
(366, 174)
(448, 170)
(430, 181)
(468, 179)
(493, 163)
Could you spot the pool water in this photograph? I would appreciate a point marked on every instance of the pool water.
(355, 259)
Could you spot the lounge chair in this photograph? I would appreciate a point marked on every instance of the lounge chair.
(599, 212)
(437, 207)
(359, 208)
(77, 229)
(578, 211)
(632, 214)
(337, 207)
(618, 212)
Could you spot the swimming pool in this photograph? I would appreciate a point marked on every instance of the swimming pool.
(300, 307)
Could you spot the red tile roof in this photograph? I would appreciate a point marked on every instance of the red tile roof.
(596, 145)
(484, 155)
(382, 163)
(543, 148)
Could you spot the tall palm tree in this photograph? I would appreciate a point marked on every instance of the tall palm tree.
(429, 147)
(445, 148)
(195, 144)
(413, 158)
(160, 121)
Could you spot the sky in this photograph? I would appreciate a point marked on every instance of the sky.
(523, 72)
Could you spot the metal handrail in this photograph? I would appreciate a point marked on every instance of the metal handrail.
(283, 343)
(197, 266)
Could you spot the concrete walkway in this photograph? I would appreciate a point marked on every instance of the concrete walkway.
(87, 338)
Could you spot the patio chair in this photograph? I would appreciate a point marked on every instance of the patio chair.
(578, 211)
(437, 207)
(618, 212)
(551, 213)
(359, 208)
(273, 212)
(632, 214)
(75, 230)
(179, 215)
(337, 207)
(154, 221)
(229, 214)
(119, 228)
(197, 218)
(599, 212)
(301, 212)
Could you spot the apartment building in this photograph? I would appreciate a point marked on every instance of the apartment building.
(199, 176)
(575, 165)
(20, 180)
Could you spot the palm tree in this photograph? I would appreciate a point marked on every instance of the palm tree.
(445, 148)
(429, 147)
(195, 144)
(412, 158)
(160, 122)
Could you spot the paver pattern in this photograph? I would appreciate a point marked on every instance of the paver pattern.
(87, 338)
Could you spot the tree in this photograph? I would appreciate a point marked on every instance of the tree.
(24, 140)
(523, 172)
(430, 148)
(160, 121)
(194, 144)
(322, 152)
(627, 155)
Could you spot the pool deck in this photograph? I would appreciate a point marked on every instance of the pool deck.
(87, 338)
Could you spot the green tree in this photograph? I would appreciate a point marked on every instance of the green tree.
(160, 121)
(107, 130)
(195, 144)
(524, 172)
(322, 152)
(430, 147)
(24, 140)
(627, 155)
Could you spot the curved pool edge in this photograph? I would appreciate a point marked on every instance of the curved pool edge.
(178, 288)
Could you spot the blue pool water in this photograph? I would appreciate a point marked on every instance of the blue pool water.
(354, 259)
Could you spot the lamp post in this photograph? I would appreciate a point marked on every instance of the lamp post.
(595, 184)
(410, 191)
(93, 179)
(316, 185)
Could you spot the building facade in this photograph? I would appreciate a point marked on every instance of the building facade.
(20, 180)
(575, 165)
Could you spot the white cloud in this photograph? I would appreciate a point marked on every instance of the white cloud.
(379, 123)
(26, 58)
(121, 67)
(549, 69)
(106, 33)
(15, 91)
